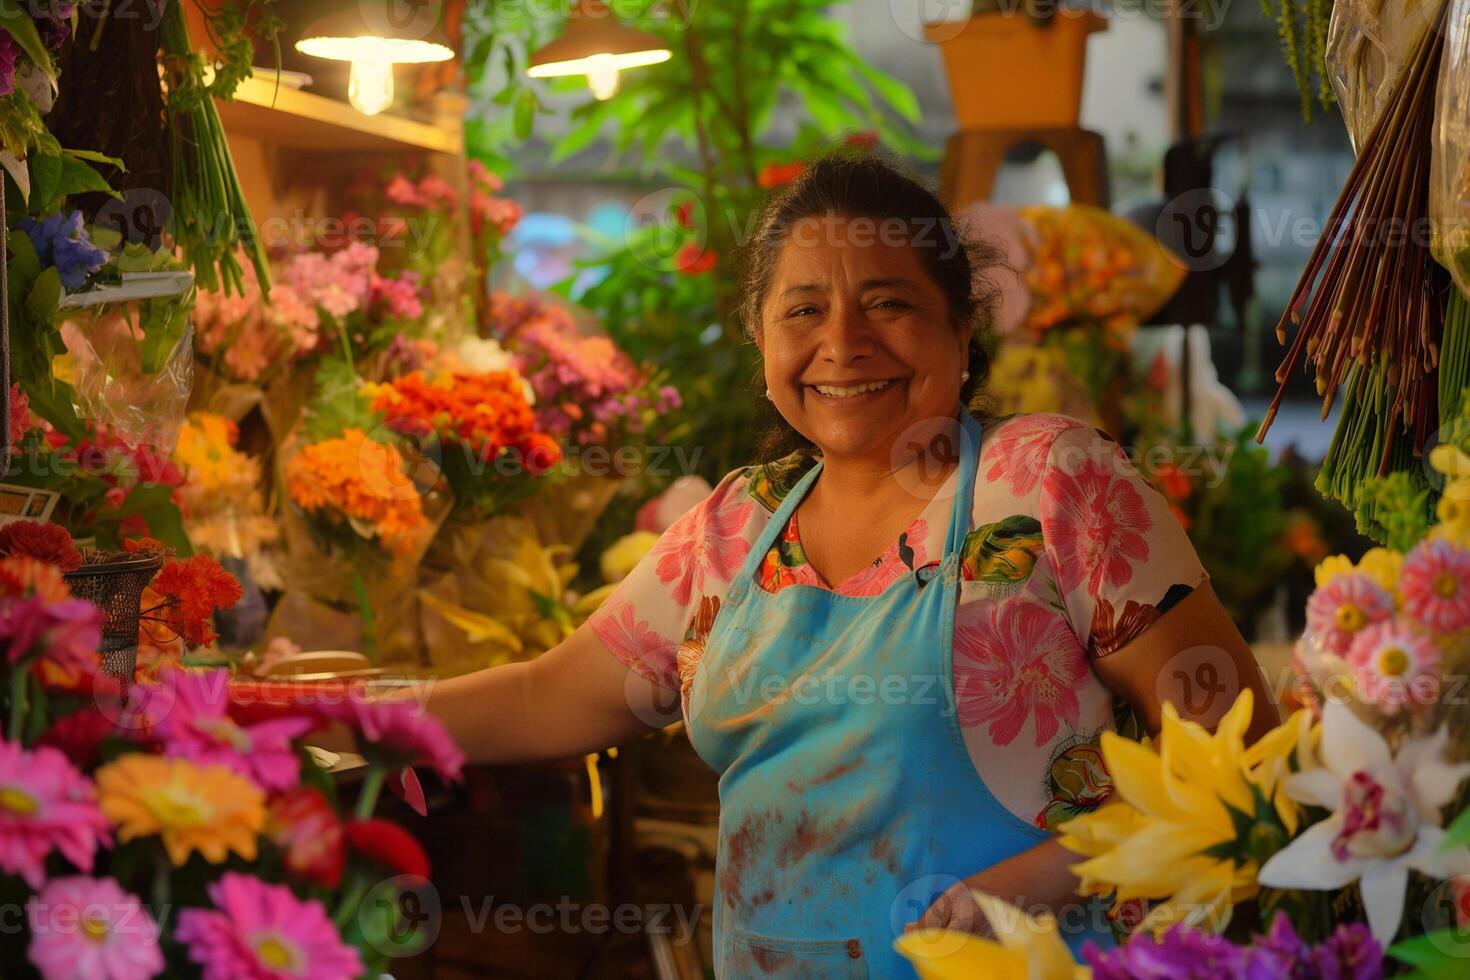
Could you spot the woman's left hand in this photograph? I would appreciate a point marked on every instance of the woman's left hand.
(956, 910)
(1014, 880)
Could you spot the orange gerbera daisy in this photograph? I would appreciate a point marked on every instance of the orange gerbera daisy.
(210, 810)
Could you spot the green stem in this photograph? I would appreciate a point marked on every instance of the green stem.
(18, 689)
(369, 621)
(352, 897)
(372, 788)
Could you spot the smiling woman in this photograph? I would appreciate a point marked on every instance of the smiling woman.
(899, 642)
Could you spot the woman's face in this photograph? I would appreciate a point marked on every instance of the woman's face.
(858, 341)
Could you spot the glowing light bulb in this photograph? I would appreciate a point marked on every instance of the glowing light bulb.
(370, 88)
(602, 76)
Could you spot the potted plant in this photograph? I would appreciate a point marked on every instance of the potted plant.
(1038, 47)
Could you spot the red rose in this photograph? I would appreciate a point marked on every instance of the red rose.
(44, 542)
(389, 845)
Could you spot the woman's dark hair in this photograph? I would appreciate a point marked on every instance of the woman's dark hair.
(863, 186)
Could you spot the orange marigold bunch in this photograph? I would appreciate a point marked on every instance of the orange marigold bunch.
(488, 412)
(362, 480)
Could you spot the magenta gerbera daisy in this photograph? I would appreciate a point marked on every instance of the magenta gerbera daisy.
(90, 928)
(259, 931)
(399, 734)
(45, 805)
(1343, 608)
(191, 712)
(1394, 666)
(1435, 584)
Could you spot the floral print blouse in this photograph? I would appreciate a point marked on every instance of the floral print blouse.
(1070, 556)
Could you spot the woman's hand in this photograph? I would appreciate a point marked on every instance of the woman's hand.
(1034, 880)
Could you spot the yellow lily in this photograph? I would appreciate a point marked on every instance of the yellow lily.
(1025, 948)
(1169, 811)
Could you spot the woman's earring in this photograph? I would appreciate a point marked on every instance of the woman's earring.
(768, 394)
(964, 376)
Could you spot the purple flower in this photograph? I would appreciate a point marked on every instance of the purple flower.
(62, 241)
(1350, 953)
(1281, 954)
(1180, 954)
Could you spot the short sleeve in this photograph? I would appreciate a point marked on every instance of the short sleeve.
(1120, 557)
(696, 559)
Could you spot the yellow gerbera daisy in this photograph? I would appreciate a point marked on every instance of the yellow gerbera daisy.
(211, 810)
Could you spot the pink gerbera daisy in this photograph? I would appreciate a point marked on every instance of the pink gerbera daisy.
(1394, 666)
(258, 931)
(90, 929)
(1344, 607)
(45, 805)
(399, 734)
(1435, 584)
(191, 712)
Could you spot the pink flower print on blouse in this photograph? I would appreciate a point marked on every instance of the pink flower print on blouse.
(1019, 661)
(636, 643)
(1095, 521)
(1019, 453)
(705, 541)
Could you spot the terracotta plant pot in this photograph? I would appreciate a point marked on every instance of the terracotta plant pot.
(1006, 72)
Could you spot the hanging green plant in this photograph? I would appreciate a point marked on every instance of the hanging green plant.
(1302, 27)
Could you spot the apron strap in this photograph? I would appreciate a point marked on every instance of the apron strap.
(970, 435)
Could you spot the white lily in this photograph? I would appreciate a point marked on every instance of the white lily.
(1385, 820)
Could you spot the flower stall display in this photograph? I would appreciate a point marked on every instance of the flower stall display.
(358, 523)
(180, 829)
(600, 404)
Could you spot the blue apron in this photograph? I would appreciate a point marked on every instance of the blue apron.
(848, 801)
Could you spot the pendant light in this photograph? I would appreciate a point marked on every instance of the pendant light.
(372, 51)
(595, 44)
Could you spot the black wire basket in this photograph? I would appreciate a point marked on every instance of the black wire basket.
(115, 582)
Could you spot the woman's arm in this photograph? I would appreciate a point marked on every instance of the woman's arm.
(1194, 657)
(574, 698)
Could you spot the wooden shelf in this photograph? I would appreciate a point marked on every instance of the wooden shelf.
(288, 117)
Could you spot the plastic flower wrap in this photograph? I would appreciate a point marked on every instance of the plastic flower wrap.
(1089, 267)
(221, 495)
(507, 596)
